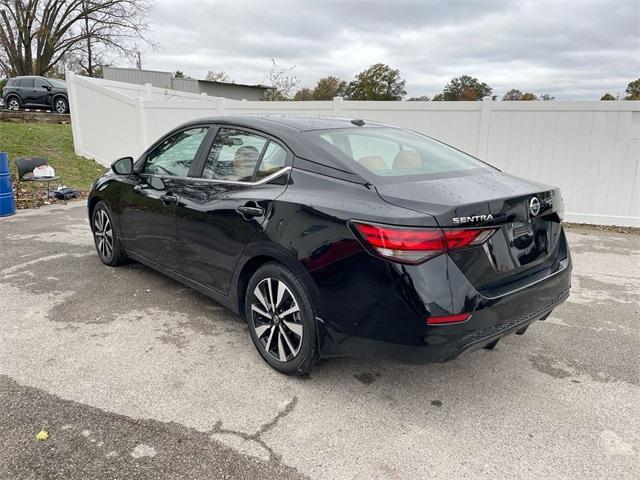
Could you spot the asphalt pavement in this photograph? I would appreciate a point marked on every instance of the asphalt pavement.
(136, 376)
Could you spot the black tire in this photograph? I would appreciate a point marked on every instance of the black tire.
(13, 103)
(60, 105)
(300, 352)
(105, 237)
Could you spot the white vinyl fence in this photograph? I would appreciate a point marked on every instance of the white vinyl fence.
(589, 149)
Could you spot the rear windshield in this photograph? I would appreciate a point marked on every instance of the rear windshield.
(393, 152)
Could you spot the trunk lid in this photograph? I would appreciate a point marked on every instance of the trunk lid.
(526, 214)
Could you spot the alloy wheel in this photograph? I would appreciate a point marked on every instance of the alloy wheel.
(276, 319)
(103, 234)
(61, 106)
(14, 104)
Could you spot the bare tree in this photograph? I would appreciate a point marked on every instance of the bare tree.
(37, 34)
(283, 81)
(213, 76)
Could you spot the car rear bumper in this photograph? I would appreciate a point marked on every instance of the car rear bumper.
(491, 319)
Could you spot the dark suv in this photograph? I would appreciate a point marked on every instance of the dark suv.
(36, 92)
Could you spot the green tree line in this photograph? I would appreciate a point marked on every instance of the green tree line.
(382, 82)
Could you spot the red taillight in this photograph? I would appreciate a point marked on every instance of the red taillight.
(458, 318)
(415, 245)
(401, 238)
(464, 238)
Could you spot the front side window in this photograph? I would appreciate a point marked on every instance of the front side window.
(234, 155)
(393, 152)
(175, 155)
(41, 84)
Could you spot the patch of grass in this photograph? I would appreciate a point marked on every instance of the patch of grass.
(53, 142)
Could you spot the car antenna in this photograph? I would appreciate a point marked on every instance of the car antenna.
(358, 122)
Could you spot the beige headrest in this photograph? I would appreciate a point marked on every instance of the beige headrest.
(373, 162)
(407, 159)
(245, 161)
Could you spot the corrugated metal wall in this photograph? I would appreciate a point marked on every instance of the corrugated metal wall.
(140, 77)
(185, 85)
(166, 80)
(227, 90)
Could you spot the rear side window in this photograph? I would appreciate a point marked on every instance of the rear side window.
(393, 152)
(27, 82)
(234, 155)
(274, 159)
(13, 82)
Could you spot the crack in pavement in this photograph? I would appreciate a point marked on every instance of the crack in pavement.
(88, 442)
(266, 427)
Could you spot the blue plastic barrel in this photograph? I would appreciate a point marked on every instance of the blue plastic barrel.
(7, 203)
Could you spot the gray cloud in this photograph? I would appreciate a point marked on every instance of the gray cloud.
(571, 49)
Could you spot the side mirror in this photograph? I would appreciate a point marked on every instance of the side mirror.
(46, 87)
(123, 166)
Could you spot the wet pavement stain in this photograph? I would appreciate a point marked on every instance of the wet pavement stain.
(547, 366)
(366, 378)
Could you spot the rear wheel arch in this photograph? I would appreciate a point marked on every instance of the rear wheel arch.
(250, 267)
(255, 262)
(13, 96)
(293, 313)
(93, 201)
(56, 98)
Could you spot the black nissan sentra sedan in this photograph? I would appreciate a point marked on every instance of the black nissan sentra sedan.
(337, 237)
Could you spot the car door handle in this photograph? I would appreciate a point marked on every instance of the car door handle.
(248, 211)
(169, 199)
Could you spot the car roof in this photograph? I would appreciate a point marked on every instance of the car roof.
(301, 123)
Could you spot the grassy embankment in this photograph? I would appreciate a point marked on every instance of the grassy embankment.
(53, 142)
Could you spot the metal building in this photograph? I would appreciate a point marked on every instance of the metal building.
(235, 91)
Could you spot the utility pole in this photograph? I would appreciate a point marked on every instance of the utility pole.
(139, 61)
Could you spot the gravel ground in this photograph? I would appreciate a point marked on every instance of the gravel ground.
(135, 376)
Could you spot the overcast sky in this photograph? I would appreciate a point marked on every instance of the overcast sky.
(574, 50)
